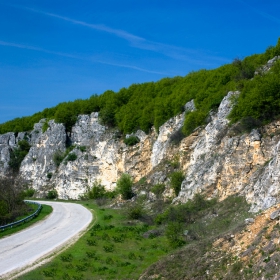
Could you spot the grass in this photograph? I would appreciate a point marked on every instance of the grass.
(46, 210)
(221, 219)
(113, 248)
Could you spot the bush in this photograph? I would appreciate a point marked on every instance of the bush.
(176, 181)
(82, 148)
(71, 157)
(135, 212)
(52, 194)
(193, 120)
(58, 158)
(45, 126)
(18, 154)
(98, 192)
(124, 186)
(29, 192)
(131, 140)
(173, 233)
(185, 213)
(158, 189)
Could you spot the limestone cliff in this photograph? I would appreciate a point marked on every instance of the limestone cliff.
(215, 159)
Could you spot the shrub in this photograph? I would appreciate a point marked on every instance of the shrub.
(158, 189)
(124, 186)
(52, 194)
(45, 126)
(135, 212)
(109, 248)
(49, 175)
(82, 148)
(58, 158)
(29, 192)
(131, 140)
(18, 154)
(176, 181)
(193, 120)
(66, 258)
(91, 242)
(98, 192)
(71, 157)
(173, 234)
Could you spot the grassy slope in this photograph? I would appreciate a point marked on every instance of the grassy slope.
(116, 249)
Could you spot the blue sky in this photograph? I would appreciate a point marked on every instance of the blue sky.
(53, 51)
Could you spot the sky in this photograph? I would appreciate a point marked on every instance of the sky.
(52, 51)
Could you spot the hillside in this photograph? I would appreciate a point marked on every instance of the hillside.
(147, 105)
(207, 142)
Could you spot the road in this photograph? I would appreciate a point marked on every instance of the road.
(23, 249)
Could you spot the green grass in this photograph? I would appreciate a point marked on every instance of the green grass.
(46, 210)
(112, 248)
(221, 219)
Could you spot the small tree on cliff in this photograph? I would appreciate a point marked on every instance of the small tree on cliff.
(124, 186)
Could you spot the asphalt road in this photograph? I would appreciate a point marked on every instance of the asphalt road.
(40, 240)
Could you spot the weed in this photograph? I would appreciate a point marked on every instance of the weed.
(91, 242)
(109, 248)
(66, 257)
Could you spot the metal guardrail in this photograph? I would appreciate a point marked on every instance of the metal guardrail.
(30, 217)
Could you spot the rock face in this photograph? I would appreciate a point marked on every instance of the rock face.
(7, 141)
(39, 161)
(214, 159)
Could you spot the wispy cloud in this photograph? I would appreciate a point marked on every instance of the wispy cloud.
(261, 13)
(177, 53)
(134, 68)
(27, 47)
(100, 27)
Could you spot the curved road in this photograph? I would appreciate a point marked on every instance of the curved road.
(24, 248)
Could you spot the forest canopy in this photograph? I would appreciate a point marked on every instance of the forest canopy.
(142, 106)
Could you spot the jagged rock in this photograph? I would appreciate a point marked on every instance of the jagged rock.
(265, 68)
(274, 215)
(190, 106)
(39, 161)
(87, 130)
(249, 221)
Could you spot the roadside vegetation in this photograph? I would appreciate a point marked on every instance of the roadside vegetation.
(142, 106)
(13, 192)
(123, 243)
(45, 211)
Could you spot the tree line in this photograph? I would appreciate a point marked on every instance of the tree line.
(141, 106)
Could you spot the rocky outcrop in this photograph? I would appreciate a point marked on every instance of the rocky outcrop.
(7, 141)
(214, 158)
(166, 131)
(39, 161)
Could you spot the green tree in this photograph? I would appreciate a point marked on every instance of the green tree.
(173, 233)
(66, 114)
(176, 180)
(124, 186)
